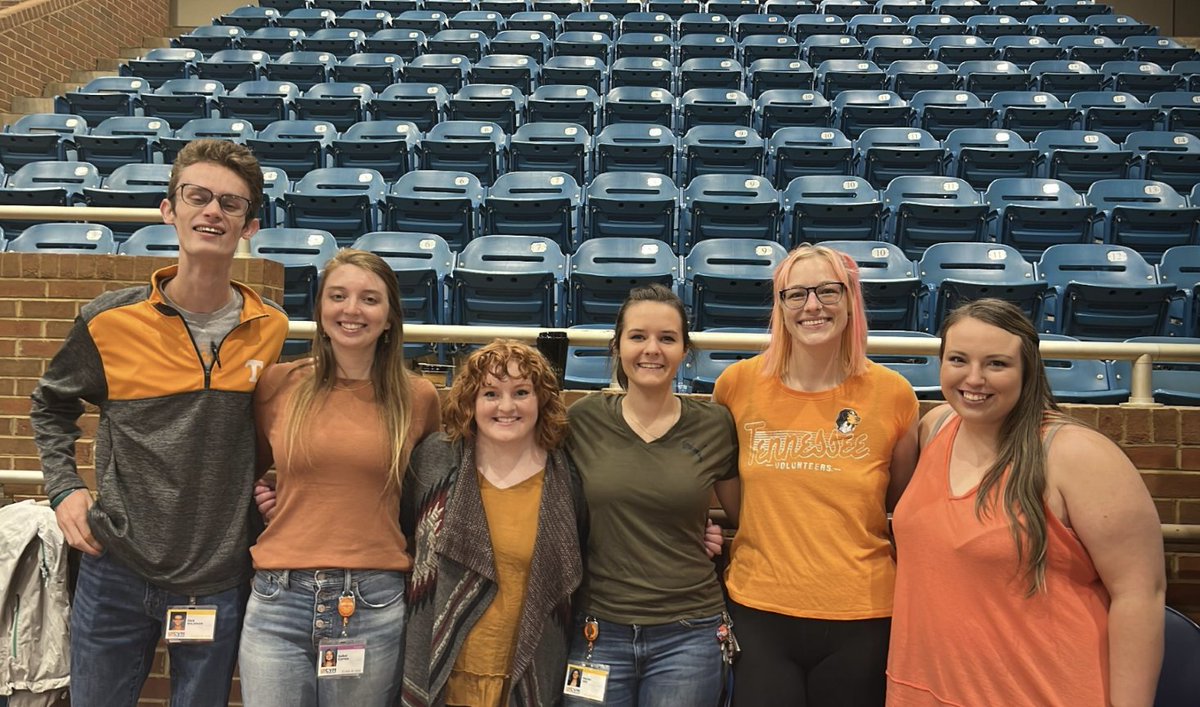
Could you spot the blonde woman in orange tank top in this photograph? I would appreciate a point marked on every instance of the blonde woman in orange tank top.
(1030, 561)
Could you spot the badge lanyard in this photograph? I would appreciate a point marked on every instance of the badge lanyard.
(585, 679)
(342, 657)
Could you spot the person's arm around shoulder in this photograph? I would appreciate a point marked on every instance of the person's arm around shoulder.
(1110, 510)
(431, 408)
(268, 387)
(904, 453)
(729, 491)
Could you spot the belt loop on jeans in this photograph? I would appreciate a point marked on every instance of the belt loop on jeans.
(346, 577)
(285, 578)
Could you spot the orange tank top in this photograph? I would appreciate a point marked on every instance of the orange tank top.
(963, 631)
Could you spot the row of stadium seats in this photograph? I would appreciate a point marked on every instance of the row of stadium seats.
(911, 211)
(1084, 290)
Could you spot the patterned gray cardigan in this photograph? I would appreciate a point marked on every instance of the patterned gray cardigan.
(453, 577)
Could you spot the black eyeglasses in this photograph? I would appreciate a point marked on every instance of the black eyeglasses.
(826, 292)
(199, 197)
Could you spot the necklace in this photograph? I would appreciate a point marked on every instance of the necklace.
(646, 433)
(360, 386)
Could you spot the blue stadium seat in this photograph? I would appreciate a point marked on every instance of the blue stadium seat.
(1082, 381)
(345, 201)
(276, 183)
(989, 27)
(1024, 51)
(707, 46)
(1079, 9)
(732, 8)
(858, 110)
(1029, 113)
(796, 152)
(1144, 215)
(602, 22)
(604, 270)
(77, 238)
(303, 68)
(375, 69)
(703, 23)
(274, 41)
(364, 19)
(654, 72)
(710, 72)
(386, 146)
(546, 22)
(1163, 51)
(180, 100)
(987, 77)
(639, 104)
(448, 8)
(1054, 27)
(555, 146)
(635, 147)
(820, 208)
(1170, 157)
(509, 281)
(1112, 113)
(1118, 27)
(790, 108)
(723, 206)
(593, 44)
(728, 282)
(631, 204)
(295, 146)
(885, 49)
(103, 98)
(431, 201)
(309, 19)
(759, 23)
(882, 154)
(889, 280)
(1190, 71)
(535, 204)
(1177, 110)
(46, 183)
(677, 8)
(340, 104)
(506, 8)
(233, 66)
(211, 38)
(953, 274)
(836, 75)
(162, 64)
(921, 372)
(1080, 157)
(487, 21)
(1173, 383)
(533, 44)
(575, 71)
(822, 47)
(515, 70)
(807, 24)
(503, 105)
(1063, 78)
(961, 10)
(938, 112)
(979, 155)
(1093, 50)
(422, 104)
(303, 254)
(908, 76)
(476, 146)
(720, 149)
(250, 17)
(1032, 214)
(141, 186)
(921, 211)
(714, 106)
(784, 74)
(1140, 79)
(260, 102)
(1102, 292)
(564, 103)
(1180, 266)
(422, 263)
(649, 44)
(449, 70)
(903, 9)
(1020, 9)
(931, 26)
(407, 43)
(868, 25)
(702, 367)
(39, 137)
(470, 43)
(953, 49)
(157, 239)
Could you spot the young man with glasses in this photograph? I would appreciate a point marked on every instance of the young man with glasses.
(172, 367)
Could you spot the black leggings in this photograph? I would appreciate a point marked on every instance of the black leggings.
(793, 662)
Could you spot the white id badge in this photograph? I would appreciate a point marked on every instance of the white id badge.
(342, 658)
(190, 624)
(586, 680)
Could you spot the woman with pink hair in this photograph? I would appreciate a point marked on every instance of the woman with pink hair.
(827, 443)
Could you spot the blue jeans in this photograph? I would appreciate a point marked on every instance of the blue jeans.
(664, 665)
(291, 611)
(116, 622)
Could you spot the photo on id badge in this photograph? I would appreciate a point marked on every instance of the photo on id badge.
(586, 681)
(190, 624)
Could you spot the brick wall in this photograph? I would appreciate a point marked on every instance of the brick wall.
(40, 294)
(44, 40)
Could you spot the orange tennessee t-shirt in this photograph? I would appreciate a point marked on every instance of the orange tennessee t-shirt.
(813, 540)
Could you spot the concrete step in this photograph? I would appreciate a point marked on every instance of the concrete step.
(81, 77)
(156, 41)
(26, 105)
(109, 66)
(132, 52)
(58, 88)
(9, 118)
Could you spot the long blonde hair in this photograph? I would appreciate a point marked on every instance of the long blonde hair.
(389, 376)
(1021, 444)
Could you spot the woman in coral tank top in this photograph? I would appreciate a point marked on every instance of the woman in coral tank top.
(1030, 561)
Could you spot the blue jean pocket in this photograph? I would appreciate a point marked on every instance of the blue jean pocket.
(702, 622)
(380, 590)
(265, 586)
